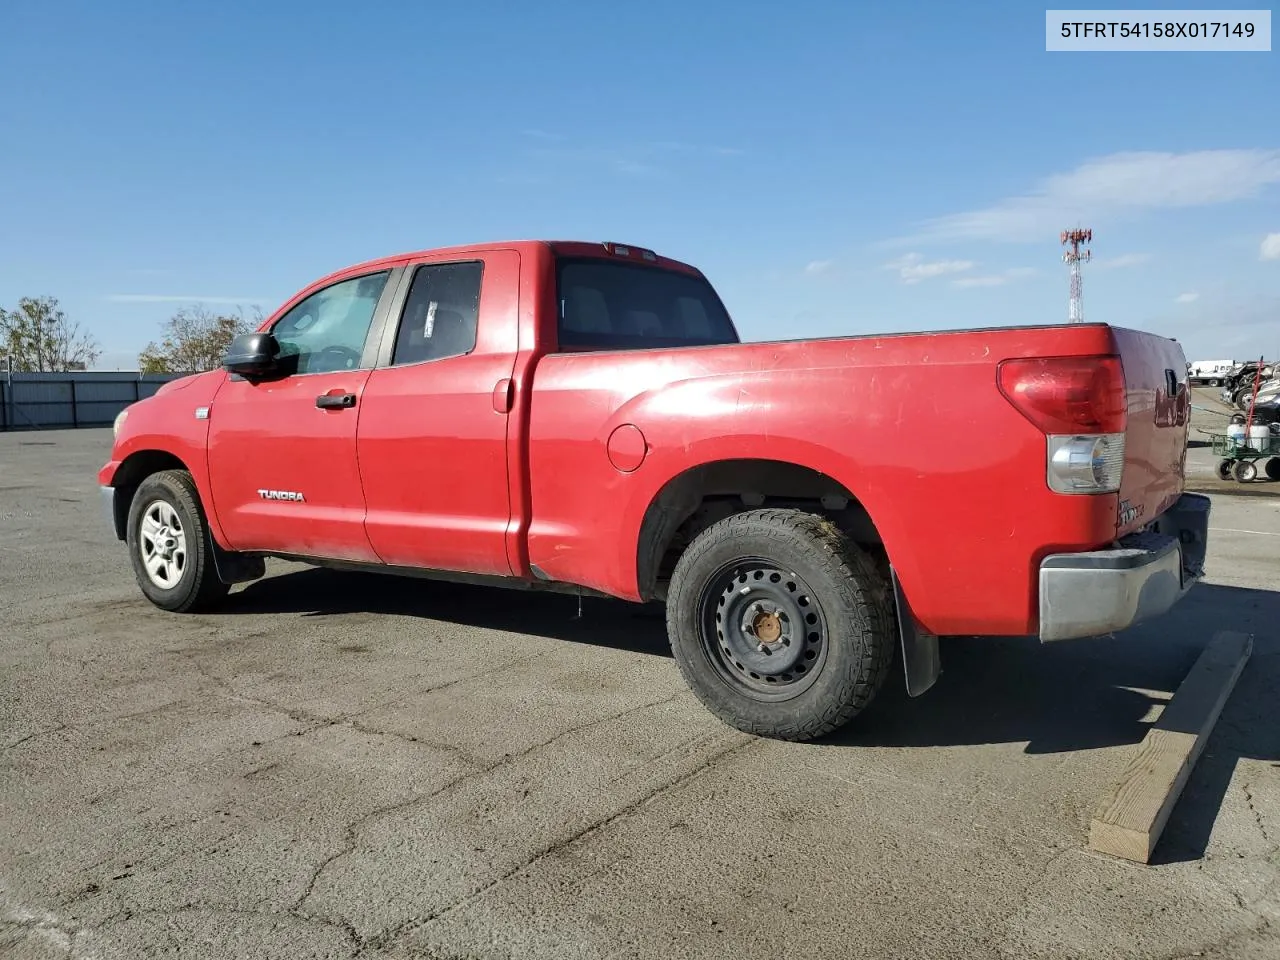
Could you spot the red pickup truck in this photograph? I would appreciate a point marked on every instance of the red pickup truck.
(583, 417)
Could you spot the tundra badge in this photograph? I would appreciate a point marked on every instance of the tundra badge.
(282, 495)
(1130, 513)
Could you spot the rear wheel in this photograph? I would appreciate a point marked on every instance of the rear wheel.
(170, 545)
(1273, 468)
(1245, 470)
(781, 626)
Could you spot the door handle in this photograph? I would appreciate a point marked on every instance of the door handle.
(335, 401)
(503, 396)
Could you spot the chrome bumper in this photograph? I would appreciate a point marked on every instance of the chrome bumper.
(1103, 591)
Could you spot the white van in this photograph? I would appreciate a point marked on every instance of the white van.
(1211, 372)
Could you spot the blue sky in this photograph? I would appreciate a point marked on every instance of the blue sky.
(834, 168)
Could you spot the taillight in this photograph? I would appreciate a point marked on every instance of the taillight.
(1067, 395)
(1088, 463)
(1080, 405)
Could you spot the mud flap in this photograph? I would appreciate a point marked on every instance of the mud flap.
(235, 568)
(921, 660)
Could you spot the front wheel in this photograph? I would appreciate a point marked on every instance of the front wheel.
(781, 626)
(170, 545)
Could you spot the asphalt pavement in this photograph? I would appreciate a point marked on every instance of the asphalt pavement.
(341, 765)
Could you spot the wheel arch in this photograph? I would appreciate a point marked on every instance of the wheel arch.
(134, 469)
(231, 567)
(700, 495)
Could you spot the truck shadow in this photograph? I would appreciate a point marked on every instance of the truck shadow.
(316, 592)
(1057, 698)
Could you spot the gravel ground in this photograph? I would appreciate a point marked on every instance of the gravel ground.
(344, 765)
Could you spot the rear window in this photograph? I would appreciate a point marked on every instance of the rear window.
(604, 304)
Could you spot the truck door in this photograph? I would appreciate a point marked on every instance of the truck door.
(282, 451)
(432, 439)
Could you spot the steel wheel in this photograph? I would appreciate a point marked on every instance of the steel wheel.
(779, 623)
(162, 544)
(763, 629)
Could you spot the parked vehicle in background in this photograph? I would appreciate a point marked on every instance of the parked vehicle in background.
(583, 417)
(1237, 385)
(1210, 372)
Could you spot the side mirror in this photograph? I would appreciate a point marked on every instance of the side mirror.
(252, 355)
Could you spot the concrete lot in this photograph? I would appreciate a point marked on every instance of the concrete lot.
(340, 765)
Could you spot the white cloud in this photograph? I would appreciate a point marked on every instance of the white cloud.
(1220, 323)
(912, 268)
(1270, 249)
(992, 281)
(1120, 262)
(817, 267)
(1110, 187)
(168, 298)
(995, 279)
(1186, 297)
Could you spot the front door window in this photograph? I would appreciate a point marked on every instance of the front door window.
(326, 332)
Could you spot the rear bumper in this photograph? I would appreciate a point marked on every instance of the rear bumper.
(1103, 591)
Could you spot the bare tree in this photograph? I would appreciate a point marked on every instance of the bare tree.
(39, 338)
(195, 340)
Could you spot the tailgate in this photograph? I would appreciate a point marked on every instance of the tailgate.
(1158, 413)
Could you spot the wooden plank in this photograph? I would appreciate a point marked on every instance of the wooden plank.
(1130, 820)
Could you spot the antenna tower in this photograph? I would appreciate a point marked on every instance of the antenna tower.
(1074, 256)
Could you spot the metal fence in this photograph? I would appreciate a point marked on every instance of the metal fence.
(45, 401)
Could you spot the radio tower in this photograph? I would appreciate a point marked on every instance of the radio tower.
(1074, 256)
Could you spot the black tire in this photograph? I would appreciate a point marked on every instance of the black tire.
(1245, 471)
(193, 583)
(819, 601)
(1224, 469)
(1273, 468)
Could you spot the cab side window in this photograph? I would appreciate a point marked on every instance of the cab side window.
(326, 332)
(440, 314)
